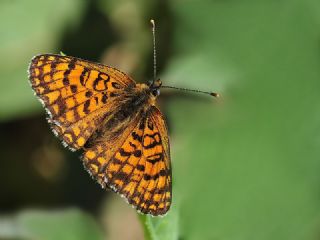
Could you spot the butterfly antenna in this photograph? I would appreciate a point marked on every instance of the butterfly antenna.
(155, 67)
(193, 90)
(154, 50)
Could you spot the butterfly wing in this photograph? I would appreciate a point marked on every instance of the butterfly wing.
(137, 164)
(76, 93)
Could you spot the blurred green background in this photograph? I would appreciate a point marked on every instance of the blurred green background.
(245, 166)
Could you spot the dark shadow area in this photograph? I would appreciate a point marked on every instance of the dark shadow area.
(93, 35)
(36, 170)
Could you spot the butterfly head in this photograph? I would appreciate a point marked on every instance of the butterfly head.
(154, 87)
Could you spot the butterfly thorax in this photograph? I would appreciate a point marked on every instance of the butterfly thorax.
(151, 92)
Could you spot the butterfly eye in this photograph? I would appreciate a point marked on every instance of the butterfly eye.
(155, 92)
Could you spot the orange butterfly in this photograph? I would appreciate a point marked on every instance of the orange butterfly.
(114, 120)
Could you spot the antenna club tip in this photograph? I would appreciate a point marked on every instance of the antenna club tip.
(152, 22)
(217, 95)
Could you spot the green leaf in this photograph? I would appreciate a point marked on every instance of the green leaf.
(246, 166)
(161, 228)
(66, 224)
(62, 53)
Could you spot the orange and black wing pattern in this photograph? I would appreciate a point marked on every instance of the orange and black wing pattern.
(76, 94)
(138, 167)
(104, 112)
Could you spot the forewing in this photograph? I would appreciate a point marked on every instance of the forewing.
(77, 94)
(137, 165)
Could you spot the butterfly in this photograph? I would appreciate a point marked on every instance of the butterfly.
(114, 120)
